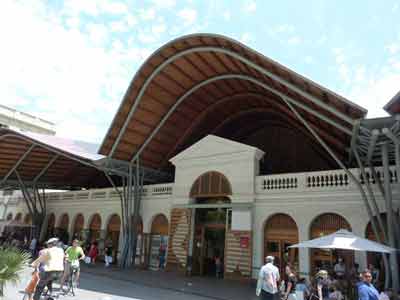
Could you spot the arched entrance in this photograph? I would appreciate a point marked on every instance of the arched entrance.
(51, 221)
(18, 217)
(112, 236)
(210, 189)
(94, 228)
(28, 219)
(77, 230)
(280, 232)
(62, 228)
(9, 217)
(158, 242)
(325, 259)
(140, 256)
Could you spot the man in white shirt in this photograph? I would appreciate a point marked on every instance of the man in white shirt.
(339, 269)
(52, 259)
(267, 284)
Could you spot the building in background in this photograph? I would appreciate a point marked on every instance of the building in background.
(17, 120)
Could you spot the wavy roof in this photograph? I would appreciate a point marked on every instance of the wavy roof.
(206, 83)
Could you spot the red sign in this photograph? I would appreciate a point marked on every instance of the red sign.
(244, 242)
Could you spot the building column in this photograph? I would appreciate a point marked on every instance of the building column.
(304, 253)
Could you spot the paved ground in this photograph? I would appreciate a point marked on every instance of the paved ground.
(112, 284)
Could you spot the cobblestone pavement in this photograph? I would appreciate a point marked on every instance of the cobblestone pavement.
(101, 287)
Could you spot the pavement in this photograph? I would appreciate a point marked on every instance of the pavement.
(99, 283)
(208, 287)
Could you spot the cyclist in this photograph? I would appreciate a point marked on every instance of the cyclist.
(52, 259)
(73, 254)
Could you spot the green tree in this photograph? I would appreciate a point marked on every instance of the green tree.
(12, 262)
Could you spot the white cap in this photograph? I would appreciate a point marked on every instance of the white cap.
(52, 240)
(269, 258)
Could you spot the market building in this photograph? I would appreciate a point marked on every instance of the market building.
(251, 149)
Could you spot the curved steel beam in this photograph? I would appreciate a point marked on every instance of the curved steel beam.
(240, 58)
(242, 77)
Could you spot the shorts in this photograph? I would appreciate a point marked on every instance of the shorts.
(68, 267)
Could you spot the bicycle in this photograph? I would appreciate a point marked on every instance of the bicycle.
(31, 287)
(72, 278)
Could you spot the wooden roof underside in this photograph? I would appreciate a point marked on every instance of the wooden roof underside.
(52, 168)
(194, 59)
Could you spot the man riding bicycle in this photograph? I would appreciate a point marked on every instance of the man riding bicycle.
(52, 259)
(73, 254)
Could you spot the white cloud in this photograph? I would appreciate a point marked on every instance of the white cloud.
(188, 15)
(63, 73)
(164, 3)
(147, 14)
(245, 38)
(294, 40)
(250, 6)
(226, 15)
(158, 28)
(393, 48)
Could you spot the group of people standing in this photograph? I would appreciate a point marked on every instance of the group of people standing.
(270, 285)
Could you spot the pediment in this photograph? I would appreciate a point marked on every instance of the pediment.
(212, 145)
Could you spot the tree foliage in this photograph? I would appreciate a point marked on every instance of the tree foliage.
(12, 263)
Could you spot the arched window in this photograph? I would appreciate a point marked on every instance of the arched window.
(211, 184)
(323, 225)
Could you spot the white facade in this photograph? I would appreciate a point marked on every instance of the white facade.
(303, 196)
(15, 119)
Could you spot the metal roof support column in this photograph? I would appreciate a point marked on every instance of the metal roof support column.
(21, 159)
(341, 164)
(44, 170)
(389, 211)
(396, 142)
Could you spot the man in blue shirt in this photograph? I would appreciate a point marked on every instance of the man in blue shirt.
(366, 291)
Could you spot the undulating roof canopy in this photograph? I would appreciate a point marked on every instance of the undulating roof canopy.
(46, 161)
(204, 83)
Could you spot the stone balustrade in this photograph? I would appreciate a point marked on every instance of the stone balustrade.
(323, 180)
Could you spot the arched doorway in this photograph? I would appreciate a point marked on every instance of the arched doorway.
(28, 219)
(325, 259)
(112, 237)
(158, 242)
(77, 230)
(62, 228)
(141, 254)
(9, 217)
(94, 228)
(211, 189)
(18, 217)
(280, 232)
(51, 221)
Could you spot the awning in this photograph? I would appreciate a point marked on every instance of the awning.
(345, 240)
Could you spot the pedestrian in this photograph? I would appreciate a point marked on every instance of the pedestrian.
(302, 290)
(218, 265)
(52, 259)
(323, 284)
(290, 292)
(93, 252)
(108, 256)
(339, 269)
(32, 247)
(366, 290)
(267, 284)
(161, 256)
(335, 294)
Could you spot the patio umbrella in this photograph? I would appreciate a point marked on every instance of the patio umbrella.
(346, 240)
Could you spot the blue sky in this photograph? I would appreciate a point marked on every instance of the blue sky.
(71, 61)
